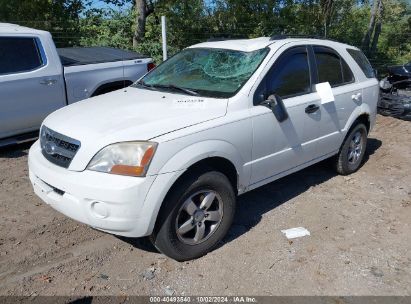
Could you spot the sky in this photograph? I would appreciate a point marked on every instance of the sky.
(102, 4)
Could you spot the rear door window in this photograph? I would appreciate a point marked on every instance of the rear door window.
(347, 73)
(19, 55)
(331, 67)
(363, 62)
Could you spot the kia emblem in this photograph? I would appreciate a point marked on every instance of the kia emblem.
(50, 148)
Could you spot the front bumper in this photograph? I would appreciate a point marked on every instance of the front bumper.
(112, 203)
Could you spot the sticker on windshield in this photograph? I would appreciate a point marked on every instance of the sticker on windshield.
(196, 103)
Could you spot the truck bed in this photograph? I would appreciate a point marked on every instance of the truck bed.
(92, 55)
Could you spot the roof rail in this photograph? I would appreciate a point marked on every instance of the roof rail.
(285, 36)
(214, 39)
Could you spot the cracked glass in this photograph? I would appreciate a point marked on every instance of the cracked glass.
(206, 71)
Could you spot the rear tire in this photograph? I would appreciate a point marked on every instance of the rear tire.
(352, 151)
(195, 216)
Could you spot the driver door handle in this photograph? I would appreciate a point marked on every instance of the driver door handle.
(311, 108)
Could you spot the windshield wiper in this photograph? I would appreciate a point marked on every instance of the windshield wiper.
(176, 88)
(142, 83)
(169, 86)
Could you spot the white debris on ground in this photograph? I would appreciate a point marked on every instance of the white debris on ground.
(293, 233)
(169, 291)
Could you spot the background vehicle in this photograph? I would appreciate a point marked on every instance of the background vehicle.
(37, 79)
(168, 157)
(399, 73)
(395, 97)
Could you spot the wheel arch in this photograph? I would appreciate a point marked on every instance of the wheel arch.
(359, 117)
(365, 119)
(225, 160)
(361, 114)
(214, 163)
(111, 86)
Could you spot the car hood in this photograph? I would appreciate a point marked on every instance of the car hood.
(129, 115)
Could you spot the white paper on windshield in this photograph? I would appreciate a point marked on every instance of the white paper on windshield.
(192, 102)
(326, 93)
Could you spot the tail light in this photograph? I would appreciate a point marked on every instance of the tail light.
(150, 66)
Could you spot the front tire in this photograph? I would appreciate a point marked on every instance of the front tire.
(352, 151)
(196, 215)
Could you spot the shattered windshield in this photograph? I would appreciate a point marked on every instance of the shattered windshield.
(205, 71)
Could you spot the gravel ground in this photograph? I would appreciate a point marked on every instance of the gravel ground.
(360, 242)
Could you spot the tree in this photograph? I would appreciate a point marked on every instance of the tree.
(373, 17)
(61, 17)
(143, 9)
(327, 10)
(378, 28)
(111, 28)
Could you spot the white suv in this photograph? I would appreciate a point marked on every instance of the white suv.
(167, 156)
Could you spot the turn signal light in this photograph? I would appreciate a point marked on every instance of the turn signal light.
(134, 170)
(127, 170)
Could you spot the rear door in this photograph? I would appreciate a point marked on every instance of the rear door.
(31, 86)
(332, 68)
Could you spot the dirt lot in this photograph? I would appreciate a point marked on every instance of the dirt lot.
(360, 241)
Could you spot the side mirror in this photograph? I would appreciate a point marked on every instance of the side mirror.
(260, 98)
(276, 105)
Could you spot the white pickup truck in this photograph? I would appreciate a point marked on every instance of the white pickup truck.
(37, 79)
(167, 157)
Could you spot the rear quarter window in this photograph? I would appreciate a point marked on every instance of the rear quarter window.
(19, 55)
(363, 62)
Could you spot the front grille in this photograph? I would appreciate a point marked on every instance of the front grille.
(58, 148)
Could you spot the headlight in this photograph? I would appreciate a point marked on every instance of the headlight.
(127, 158)
(385, 84)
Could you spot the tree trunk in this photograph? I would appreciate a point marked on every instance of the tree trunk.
(327, 11)
(378, 28)
(141, 12)
(367, 37)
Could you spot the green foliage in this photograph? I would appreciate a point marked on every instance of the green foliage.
(74, 22)
(395, 41)
(155, 50)
(187, 23)
(61, 17)
(107, 28)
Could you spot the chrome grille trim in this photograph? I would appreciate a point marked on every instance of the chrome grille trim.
(58, 148)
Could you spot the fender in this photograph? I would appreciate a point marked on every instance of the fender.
(110, 86)
(196, 152)
(179, 163)
(358, 111)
